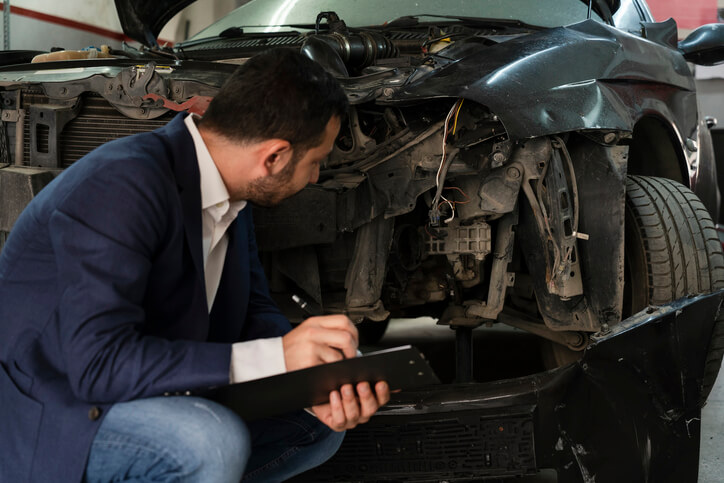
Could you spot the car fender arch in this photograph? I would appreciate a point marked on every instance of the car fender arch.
(656, 150)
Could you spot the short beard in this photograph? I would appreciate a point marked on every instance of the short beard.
(271, 190)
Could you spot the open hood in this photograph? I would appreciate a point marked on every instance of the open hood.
(143, 20)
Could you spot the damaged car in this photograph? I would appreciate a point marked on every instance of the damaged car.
(535, 163)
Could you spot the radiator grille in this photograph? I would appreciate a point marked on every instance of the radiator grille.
(464, 447)
(97, 123)
(84, 134)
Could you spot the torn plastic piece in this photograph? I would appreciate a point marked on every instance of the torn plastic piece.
(195, 105)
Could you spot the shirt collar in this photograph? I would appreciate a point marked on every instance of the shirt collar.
(213, 190)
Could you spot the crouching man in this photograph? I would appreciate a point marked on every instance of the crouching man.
(135, 273)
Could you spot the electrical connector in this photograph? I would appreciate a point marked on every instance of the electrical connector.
(434, 216)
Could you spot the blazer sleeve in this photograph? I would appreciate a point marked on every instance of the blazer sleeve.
(104, 234)
(263, 318)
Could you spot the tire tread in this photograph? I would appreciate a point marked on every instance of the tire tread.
(682, 250)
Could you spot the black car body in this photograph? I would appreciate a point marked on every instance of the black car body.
(491, 169)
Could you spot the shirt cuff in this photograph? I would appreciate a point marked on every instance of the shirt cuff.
(256, 358)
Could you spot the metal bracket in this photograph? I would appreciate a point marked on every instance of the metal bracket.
(126, 91)
(553, 205)
(10, 115)
(576, 341)
(52, 119)
(500, 278)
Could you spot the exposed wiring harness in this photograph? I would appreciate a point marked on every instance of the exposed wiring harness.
(442, 169)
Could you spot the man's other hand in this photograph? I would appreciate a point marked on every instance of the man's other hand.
(318, 340)
(345, 409)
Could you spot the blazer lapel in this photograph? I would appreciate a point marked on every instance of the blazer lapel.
(228, 312)
(186, 170)
(191, 205)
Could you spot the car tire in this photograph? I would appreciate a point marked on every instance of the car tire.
(671, 250)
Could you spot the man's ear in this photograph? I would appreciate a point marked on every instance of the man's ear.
(275, 154)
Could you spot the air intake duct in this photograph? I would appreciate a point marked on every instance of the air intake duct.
(356, 50)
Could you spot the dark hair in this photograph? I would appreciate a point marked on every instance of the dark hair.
(279, 93)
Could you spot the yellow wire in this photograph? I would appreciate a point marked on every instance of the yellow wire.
(455, 124)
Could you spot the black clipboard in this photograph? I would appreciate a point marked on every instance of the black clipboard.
(402, 367)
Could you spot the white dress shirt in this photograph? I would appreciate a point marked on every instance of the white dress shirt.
(251, 359)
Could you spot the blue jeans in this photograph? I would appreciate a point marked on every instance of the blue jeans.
(190, 439)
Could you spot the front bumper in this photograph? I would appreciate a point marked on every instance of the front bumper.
(629, 410)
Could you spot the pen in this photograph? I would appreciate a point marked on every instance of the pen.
(306, 307)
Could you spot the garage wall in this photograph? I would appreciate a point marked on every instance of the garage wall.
(710, 92)
(710, 87)
(689, 14)
(76, 24)
(72, 24)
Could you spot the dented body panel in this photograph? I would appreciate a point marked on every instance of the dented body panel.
(529, 80)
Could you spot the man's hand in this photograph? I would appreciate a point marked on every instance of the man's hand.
(317, 340)
(331, 338)
(347, 410)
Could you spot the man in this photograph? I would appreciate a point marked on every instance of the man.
(128, 277)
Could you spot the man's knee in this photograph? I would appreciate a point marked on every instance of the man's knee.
(216, 437)
(330, 444)
(186, 438)
(324, 441)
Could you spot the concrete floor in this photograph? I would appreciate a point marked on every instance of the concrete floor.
(435, 341)
(711, 465)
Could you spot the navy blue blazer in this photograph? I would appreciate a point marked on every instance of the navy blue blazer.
(102, 299)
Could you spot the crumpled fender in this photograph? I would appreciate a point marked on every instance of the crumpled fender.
(584, 76)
